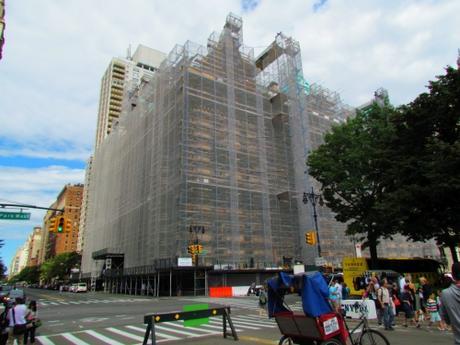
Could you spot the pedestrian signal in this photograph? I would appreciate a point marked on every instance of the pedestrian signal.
(310, 238)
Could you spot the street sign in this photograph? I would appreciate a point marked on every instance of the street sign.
(15, 215)
(320, 261)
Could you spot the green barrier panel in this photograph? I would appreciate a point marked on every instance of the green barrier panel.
(196, 322)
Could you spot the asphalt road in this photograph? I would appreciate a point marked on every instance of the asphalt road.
(98, 318)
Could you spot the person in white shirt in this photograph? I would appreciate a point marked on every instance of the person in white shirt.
(17, 316)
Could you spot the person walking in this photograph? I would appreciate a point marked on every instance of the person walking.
(17, 316)
(450, 303)
(32, 320)
(371, 293)
(334, 297)
(383, 295)
(407, 305)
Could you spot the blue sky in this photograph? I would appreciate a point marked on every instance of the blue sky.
(56, 52)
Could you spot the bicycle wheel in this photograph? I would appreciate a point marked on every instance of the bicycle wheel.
(331, 341)
(285, 340)
(373, 337)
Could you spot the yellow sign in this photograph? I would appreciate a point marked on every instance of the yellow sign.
(353, 268)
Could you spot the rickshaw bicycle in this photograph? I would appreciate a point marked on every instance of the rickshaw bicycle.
(319, 324)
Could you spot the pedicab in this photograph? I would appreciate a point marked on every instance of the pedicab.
(318, 324)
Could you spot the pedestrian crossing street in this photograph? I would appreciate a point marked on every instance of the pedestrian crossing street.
(165, 332)
(45, 302)
(251, 303)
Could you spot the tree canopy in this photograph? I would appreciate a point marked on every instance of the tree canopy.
(389, 171)
(424, 183)
(349, 166)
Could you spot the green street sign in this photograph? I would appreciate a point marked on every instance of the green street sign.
(15, 215)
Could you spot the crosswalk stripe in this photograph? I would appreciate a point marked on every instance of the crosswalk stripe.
(159, 334)
(257, 317)
(199, 329)
(103, 338)
(74, 339)
(44, 340)
(125, 334)
(259, 321)
(176, 331)
(238, 324)
(254, 322)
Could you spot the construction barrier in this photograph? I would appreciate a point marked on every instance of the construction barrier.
(152, 319)
(220, 291)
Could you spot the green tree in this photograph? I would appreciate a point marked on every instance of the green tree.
(424, 183)
(59, 266)
(30, 274)
(349, 166)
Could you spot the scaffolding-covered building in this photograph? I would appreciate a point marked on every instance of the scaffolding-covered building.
(211, 150)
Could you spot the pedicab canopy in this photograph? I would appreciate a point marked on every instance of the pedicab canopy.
(312, 288)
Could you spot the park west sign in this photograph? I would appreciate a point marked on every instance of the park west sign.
(15, 215)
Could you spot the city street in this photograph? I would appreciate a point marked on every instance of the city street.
(98, 318)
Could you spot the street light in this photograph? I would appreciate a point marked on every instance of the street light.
(313, 199)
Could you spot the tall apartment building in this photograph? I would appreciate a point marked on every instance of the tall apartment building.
(34, 242)
(122, 76)
(70, 200)
(84, 205)
(217, 141)
(19, 261)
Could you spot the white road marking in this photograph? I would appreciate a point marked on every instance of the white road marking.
(103, 338)
(70, 337)
(159, 334)
(125, 334)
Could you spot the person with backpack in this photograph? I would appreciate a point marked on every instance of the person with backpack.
(17, 316)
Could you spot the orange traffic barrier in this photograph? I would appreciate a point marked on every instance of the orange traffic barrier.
(220, 291)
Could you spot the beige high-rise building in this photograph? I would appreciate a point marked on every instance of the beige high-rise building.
(122, 76)
(34, 243)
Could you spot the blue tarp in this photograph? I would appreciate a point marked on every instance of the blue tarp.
(315, 293)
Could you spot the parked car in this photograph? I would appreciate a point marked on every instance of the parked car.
(81, 287)
(73, 288)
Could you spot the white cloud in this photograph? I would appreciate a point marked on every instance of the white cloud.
(56, 53)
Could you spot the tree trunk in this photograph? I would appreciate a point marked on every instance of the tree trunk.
(453, 251)
(373, 251)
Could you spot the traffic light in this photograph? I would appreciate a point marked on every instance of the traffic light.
(194, 259)
(60, 224)
(198, 248)
(191, 249)
(310, 238)
(68, 225)
(52, 224)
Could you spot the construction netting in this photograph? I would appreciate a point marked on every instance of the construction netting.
(216, 141)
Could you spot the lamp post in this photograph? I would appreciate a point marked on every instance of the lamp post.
(313, 199)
